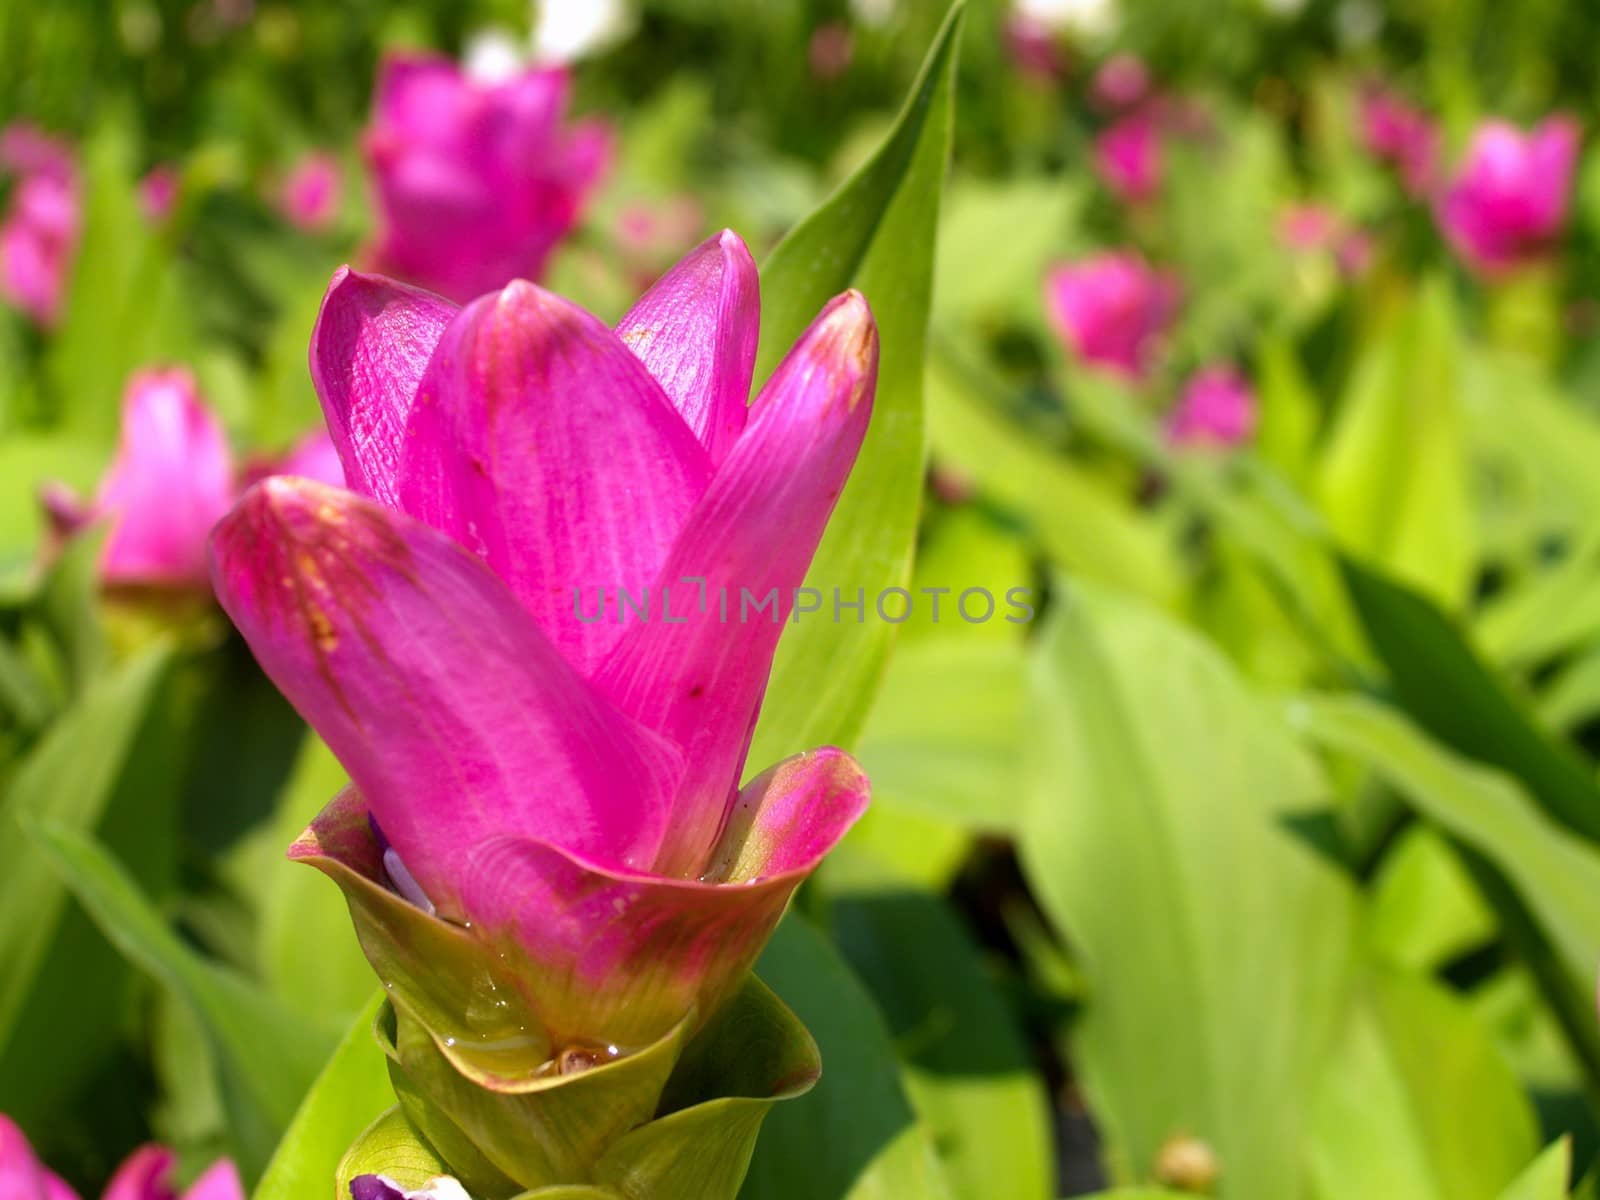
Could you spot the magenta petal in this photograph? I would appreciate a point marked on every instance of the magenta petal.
(620, 957)
(371, 343)
(146, 1174)
(219, 1182)
(451, 711)
(171, 481)
(21, 1175)
(696, 330)
(700, 682)
(541, 443)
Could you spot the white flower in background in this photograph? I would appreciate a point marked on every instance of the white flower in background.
(1089, 18)
(1284, 8)
(492, 55)
(874, 14)
(565, 30)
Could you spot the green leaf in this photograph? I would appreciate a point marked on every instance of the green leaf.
(67, 780)
(1393, 480)
(855, 1134)
(1161, 798)
(876, 234)
(1082, 522)
(1417, 1101)
(1547, 1178)
(1438, 679)
(978, 272)
(942, 738)
(267, 1056)
(126, 306)
(1555, 873)
(350, 1094)
(967, 1067)
(309, 954)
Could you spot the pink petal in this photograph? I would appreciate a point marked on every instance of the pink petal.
(696, 331)
(700, 682)
(21, 1175)
(314, 457)
(541, 443)
(452, 713)
(370, 346)
(620, 958)
(220, 1182)
(146, 1174)
(171, 481)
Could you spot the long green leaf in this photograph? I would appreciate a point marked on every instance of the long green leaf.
(1157, 835)
(350, 1094)
(267, 1056)
(855, 1134)
(1417, 1101)
(967, 1067)
(877, 234)
(1450, 692)
(67, 780)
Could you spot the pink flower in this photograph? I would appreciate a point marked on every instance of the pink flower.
(1111, 309)
(158, 193)
(830, 50)
(1318, 229)
(310, 195)
(1122, 83)
(1402, 136)
(1508, 203)
(1035, 48)
(172, 479)
(560, 785)
(476, 182)
(1218, 408)
(39, 232)
(1128, 157)
(146, 1174)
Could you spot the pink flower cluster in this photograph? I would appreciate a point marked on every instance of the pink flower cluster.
(39, 232)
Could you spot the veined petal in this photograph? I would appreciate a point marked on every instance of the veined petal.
(541, 443)
(450, 710)
(618, 958)
(370, 346)
(171, 481)
(696, 330)
(700, 682)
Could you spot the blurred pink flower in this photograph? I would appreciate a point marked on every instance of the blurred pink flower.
(1316, 228)
(1217, 408)
(146, 1174)
(1035, 48)
(830, 50)
(1127, 156)
(158, 193)
(476, 181)
(1508, 202)
(309, 198)
(171, 480)
(1112, 309)
(1122, 82)
(1401, 135)
(39, 232)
